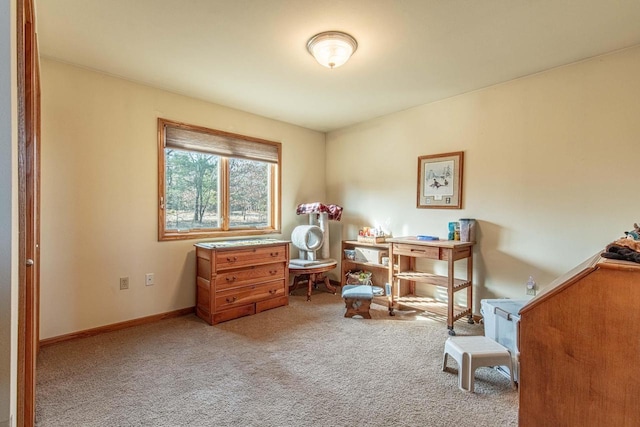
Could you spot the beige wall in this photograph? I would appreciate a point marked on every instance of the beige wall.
(549, 162)
(99, 195)
(550, 173)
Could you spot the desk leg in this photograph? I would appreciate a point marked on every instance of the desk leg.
(329, 286)
(293, 285)
(312, 281)
(470, 288)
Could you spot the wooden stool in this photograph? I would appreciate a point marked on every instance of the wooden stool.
(357, 299)
(472, 353)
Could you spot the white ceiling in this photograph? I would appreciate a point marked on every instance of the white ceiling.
(251, 54)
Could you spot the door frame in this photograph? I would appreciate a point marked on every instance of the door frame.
(28, 210)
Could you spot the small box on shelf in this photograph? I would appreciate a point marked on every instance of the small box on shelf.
(350, 254)
(371, 235)
(371, 239)
(373, 255)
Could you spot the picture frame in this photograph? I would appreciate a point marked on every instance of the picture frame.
(440, 181)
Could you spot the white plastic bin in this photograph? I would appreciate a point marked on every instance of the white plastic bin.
(501, 319)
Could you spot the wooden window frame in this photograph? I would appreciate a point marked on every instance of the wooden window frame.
(223, 231)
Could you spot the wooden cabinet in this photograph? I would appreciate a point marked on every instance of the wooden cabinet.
(240, 278)
(579, 348)
(404, 252)
(379, 272)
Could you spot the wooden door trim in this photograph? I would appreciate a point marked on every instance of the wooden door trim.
(22, 259)
(28, 201)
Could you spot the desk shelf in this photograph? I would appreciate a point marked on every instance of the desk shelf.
(363, 265)
(379, 272)
(430, 305)
(432, 279)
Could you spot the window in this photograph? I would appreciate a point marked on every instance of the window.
(215, 184)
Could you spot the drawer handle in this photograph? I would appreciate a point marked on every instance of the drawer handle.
(272, 272)
(231, 279)
(273, 291)
(232, 299)
(418, 250)
(275, 254)
(234, 259)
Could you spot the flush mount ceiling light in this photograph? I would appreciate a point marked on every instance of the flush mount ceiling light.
(332, 48)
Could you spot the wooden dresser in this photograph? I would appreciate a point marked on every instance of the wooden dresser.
(579, 348)
(240, 278)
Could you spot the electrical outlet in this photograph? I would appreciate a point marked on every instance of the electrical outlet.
(124, 283)
(149, 279)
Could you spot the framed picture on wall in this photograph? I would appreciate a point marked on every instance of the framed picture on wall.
(440, 180)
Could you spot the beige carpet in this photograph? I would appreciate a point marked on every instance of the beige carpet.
(301, 365)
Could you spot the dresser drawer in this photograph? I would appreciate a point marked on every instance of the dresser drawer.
(416, 251)
(233, 313)
(250, 256)
(248, 294)
(250, 275)
(270, 303)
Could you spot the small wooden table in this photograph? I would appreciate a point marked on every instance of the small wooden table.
(312, 274)
(404, 253)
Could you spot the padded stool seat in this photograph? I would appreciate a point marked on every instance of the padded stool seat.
(357, 299)
(472, 353)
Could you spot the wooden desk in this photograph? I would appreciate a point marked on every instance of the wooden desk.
(312, 274)
(579, 348)
(403, 252)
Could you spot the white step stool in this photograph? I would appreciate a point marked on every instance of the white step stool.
(472, 353)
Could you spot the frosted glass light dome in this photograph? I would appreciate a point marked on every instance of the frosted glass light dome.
(332, 48)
